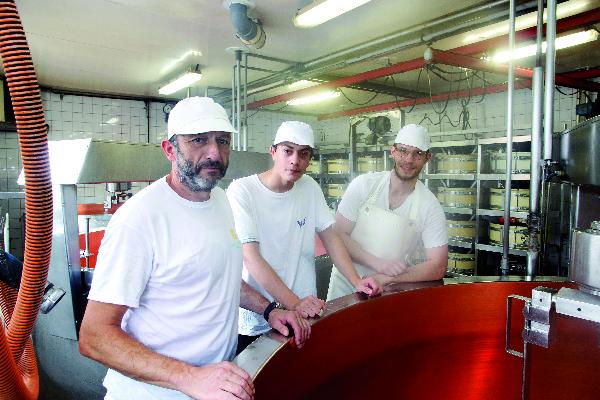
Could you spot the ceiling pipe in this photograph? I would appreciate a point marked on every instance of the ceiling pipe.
(364, 76)
(443, 27)
(248, 30)
(591, 73)
(424, 100)
(457, 60)
(565, 24)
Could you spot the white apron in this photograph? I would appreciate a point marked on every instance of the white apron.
(382, 233)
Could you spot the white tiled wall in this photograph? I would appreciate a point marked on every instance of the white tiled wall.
(72, 117)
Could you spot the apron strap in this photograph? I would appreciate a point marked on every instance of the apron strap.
(373, 196)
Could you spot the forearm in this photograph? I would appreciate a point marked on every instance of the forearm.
(117, 350)
(262, 272)
(429, 270)
(335, 245)
(251, 300)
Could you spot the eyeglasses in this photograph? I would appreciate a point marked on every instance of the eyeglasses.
(417, 154)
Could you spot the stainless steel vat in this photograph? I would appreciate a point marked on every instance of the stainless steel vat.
(585, 258)
(580, 152)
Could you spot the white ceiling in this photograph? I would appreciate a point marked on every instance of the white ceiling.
(131, 47)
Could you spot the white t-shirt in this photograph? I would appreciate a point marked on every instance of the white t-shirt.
(431, 221)
(284, 225)
(177, 265)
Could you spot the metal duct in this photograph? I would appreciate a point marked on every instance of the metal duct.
(248, 30)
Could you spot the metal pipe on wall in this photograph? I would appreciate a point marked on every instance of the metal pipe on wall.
(245, 102)
(238, 62)
(534, 222)
(509, 140)
(233, 102)
(549, 75)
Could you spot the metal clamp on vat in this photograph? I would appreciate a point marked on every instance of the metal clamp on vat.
(565, 327)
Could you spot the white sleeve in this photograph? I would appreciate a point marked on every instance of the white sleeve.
(353, 198)
(323, 212)
(241, 206)
(435, 231)
(123, 268)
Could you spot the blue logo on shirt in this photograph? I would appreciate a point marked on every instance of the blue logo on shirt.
(301, 222)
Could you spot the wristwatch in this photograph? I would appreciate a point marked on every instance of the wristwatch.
(273, 305)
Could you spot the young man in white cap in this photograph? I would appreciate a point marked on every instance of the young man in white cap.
(163, 307)
(277, 214)
(389, 219)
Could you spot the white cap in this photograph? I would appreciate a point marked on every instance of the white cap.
(413, 135)
(295, 132)
(195, 115)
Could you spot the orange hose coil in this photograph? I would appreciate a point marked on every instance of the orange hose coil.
(18, 369)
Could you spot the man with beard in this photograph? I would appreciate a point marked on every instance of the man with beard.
(277, 214)
(162, 310)
(393, 226)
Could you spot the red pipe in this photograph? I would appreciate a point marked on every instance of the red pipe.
(18, 369)
(458, 60)
(423, 100)
(349, 80)
(562, 25)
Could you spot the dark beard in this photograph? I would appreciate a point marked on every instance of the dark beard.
(405, 178)
(189, 174)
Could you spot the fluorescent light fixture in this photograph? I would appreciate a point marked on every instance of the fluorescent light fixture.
(313, 99)
(561, 42)
(529, 20)
(172, 64)
(320, 11)
(112, 121)
(185, 80)
(299, 83)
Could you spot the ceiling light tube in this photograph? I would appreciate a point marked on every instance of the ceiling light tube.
(320, 11)
(562, 42)
(185, 80)
(298, 84)
(313, 98)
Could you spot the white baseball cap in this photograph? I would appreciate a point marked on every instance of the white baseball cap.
(195, 115)
(413, 135)
(295, 132)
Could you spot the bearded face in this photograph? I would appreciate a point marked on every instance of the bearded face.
(201, 176)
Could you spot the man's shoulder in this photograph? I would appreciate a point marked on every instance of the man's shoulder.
(369, 179)
(246, 183)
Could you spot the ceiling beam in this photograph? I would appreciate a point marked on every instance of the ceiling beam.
(525, 83)
(562, 25)
(458, 60)
(345, 81)
(376, 87)
(424, 100)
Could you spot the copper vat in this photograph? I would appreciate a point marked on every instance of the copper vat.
(424, 341)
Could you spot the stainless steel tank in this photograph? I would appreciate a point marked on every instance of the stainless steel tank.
(580, 152)
(585, 258)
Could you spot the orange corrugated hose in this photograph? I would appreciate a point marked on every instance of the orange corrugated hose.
(18, 369)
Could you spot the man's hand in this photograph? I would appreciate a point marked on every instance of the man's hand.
(309, 307)
(382, 279)
(223, 380)
(369, 286)
(391, 267)
(278, 319)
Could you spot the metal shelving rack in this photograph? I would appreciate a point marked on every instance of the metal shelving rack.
(352, 155)
(487, 212)
(471, 140)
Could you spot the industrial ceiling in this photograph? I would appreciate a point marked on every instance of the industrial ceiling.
(131, 47)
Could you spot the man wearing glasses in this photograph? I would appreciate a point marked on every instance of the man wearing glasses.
(393, 226)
